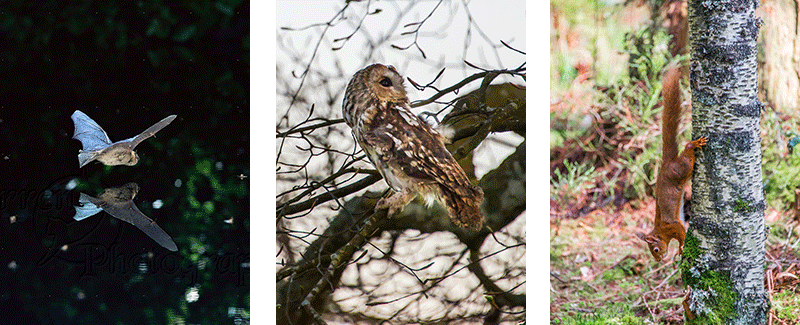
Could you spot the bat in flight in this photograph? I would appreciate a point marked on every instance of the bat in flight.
(118, 202)
(97, 145)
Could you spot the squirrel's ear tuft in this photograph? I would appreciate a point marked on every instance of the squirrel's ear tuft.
(651, 239)
(640, 235)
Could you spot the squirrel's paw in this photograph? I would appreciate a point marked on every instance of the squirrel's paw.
(699, 142)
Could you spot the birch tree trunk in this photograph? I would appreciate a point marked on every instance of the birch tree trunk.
(723, 256)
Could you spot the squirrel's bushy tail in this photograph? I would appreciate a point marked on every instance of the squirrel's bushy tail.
(671, 112)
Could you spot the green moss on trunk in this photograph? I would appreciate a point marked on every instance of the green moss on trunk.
(707, 285)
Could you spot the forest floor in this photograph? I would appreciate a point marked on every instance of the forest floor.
(602, 273)
(604, 153)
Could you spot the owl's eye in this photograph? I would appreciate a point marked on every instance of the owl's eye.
(386, 82)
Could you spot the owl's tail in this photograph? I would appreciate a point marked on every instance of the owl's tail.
(464, 206)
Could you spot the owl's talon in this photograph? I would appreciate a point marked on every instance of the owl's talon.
(386, 203)
(382, 204)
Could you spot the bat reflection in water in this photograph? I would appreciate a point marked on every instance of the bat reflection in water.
(97, 145)
(118, 202)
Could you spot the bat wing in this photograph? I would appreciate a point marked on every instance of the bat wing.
(89, 133)
(129, 213)
(87, 208)
(151, 131)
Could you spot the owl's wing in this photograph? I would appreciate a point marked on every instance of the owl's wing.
(415, 148)
(89, 133)
(416, 155)
(129, 213)
(379, 147)
(150, 131)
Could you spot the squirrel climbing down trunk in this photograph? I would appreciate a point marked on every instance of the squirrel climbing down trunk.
(674, 172)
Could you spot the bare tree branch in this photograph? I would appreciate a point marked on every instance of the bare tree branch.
(326, 222)
(415, 32)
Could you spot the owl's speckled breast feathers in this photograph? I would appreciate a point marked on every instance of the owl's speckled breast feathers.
(408, 153)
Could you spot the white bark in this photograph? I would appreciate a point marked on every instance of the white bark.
(724, 260)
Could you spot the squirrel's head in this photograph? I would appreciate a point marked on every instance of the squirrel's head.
(657, 247)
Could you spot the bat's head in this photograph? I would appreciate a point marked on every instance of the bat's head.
(133, 159)
(131, 188)
(120, 194)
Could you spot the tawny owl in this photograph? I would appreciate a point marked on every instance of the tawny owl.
(407, 152)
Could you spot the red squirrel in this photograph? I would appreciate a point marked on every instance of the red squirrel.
(675, 171)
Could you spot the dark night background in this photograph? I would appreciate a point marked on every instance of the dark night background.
(127, 65)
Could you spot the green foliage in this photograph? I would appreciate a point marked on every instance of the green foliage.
(572, 183)
(564, 126)
(566, 72)
(616, 314)
(781, 233)
(631, 104)
(576, 10)
(786, 305)
(614, 274)
(648, 52)
(597, 21)
(641, 169)
(780, 160)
